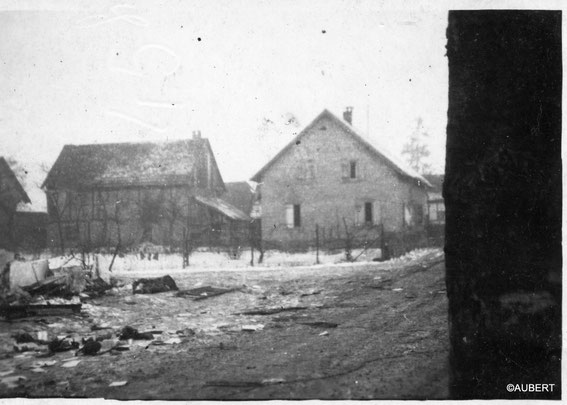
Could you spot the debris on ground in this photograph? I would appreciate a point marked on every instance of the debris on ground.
(312, 292)
(187, 332)
(271, 381)
(271, 311)
(96, 287)
(54, 285)
(154, 285)
(70, 364)
(323, 325)
(13, 381)
(90, 348)
(25, 311)
(62, 345)
(129, 332)
(23, 337)
(22, 274)
(201, 293)
(27, 347)
(40, 364)
(299, 338)
(118, 383)
(252, 328)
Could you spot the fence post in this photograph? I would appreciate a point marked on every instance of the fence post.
(251, 238)
(317, 241)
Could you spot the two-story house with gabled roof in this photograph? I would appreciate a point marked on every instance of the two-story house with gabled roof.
(329, 177)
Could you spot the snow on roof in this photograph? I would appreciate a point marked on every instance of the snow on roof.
(128, 164)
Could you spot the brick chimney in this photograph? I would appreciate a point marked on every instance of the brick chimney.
(347, 115)
(196, 134)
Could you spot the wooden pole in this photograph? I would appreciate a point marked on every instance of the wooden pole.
(251, 237)
(317, 241)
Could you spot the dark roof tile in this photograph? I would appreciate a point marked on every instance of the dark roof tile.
(127, 164)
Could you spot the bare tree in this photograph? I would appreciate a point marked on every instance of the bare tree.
(416, 149)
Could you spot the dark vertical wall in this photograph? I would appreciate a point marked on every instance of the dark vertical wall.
(503, 201)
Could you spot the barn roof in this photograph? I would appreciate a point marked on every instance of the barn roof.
(129, 164)
(391, 161)
(9, 180)
(223, 207)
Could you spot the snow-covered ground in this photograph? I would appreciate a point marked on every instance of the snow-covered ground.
(204, 260)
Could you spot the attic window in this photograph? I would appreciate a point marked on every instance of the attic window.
(323, 128)
(353, 169)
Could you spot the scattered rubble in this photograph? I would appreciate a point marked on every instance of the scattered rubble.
(70, 364)
(252, 328)
(271, 311)
(131, 333)
(22, 274)
(154, 285)
(323, 325)
(201, 293)
(90, 348)
(62, 345)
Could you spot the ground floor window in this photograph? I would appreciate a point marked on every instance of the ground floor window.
(437, 213)
(368, 212)
(293, 215)
(413, 215)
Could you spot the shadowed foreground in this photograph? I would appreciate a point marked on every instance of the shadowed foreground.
(370, 331)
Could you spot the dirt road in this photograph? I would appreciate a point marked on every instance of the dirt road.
(370, 331)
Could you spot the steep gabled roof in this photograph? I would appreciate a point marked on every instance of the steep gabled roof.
(129, 164)
(9, 180)
(391, 161)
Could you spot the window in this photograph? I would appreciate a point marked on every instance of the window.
(293, 215)
(351, 170)
(368, 212)
(441, 212)
(296, 216)
(413, 215)
(418, 214)
(436, 213)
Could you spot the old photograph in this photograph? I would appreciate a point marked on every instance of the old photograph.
(280, 200)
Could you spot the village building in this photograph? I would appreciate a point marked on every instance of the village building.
(163, 193)
(435, 202)
(12, 194)
(435, 209)
(329, 183)
(241, 195)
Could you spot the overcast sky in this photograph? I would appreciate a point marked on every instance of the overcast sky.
(248, 74)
